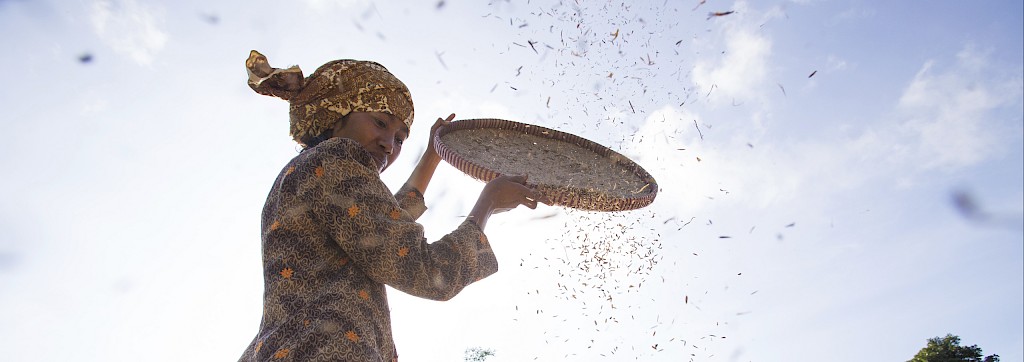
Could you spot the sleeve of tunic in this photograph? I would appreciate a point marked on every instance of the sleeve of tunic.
(411, 200)
(381, 237)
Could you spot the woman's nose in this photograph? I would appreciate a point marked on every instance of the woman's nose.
(387, 144)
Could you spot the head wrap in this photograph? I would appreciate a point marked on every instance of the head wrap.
(334, 90)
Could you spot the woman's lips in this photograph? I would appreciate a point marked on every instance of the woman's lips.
(381, 160)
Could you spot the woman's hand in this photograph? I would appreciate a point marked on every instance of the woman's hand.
(502, 194)
(508, 192)
(433, 131)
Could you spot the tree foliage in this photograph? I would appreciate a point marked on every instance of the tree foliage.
(948, 349)
(477, 354)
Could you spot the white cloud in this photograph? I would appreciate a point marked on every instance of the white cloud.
(952, 114)
(855, 14)
(947, 118)
(129, 28)
(835, 63)
(93, 102)
(693, 173)
(947, 114)
(320, 5)
(743, 68)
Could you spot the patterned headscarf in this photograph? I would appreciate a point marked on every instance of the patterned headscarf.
(334, 90)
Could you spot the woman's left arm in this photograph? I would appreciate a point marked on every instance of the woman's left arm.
(424, 171)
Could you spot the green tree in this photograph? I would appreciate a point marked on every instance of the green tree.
(477, 354)
(948, 349)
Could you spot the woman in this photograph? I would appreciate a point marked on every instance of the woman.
(334, 235)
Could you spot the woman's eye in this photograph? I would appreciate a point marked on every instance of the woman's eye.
(380, 123)
(399, 140)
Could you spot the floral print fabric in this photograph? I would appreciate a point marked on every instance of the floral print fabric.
(333, 237)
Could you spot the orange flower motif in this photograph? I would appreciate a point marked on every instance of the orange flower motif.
(403, 251)
(353, 211)
(281, 353)
(287, 273)
(289, 171)
(483, 240)
(363, 294)
(352, 336)
(319, 171)
(258, 346)
(305, 323)
(342, 261)
(395, 214)
(411, 194)
(275, 225)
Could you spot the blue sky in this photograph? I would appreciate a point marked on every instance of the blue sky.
(134, 181)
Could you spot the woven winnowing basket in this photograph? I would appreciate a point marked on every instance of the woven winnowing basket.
(565, 195)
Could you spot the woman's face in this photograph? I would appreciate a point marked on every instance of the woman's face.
(381, 134)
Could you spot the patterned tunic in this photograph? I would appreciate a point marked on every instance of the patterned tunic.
(333, 236)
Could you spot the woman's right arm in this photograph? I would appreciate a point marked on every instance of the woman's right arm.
(502, 194)
(348, 200)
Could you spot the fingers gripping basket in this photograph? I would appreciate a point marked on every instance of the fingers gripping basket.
(569, 170)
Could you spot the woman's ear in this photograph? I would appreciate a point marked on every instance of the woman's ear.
(339, 124)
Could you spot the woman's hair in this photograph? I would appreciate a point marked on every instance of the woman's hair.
(311, 141)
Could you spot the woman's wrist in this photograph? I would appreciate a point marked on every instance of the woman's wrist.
(481, 212)
(431, 156)
(424, 171)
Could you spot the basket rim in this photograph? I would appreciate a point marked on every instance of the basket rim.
(568, 196)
